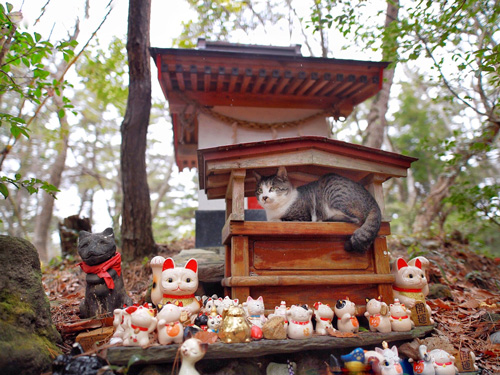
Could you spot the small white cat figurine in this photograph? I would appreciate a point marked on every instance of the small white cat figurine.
(171, 284)
(140, 322)
(225, 304)
(324, 315)
(400, 317)
(170, 329)
(192, 350)
(299, 322)
(255, 311)
(345, 311)
(377, 313)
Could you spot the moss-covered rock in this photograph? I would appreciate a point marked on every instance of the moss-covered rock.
(27, 336)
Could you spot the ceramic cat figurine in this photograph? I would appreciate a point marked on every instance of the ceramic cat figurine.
(400, 317)
(104, 291)
(170, 329)
(377, 313)
(255, 311)
(411, 284)
(140, 323)
(331, 198)
(323, 314)
(345, 311)
(175, 284)
(192, 350)
(299, 322)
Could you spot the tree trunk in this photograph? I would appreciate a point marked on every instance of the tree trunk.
(44, 217)
(377, 121)
(137, 233)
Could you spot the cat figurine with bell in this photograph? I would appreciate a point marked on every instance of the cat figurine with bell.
(104, 290)
(400, 317)
(175, 284)
(299, 322)
(444, 361)
(170, 329)
(140, 323)
(331, 198)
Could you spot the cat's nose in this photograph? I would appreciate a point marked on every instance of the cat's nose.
(264, 198)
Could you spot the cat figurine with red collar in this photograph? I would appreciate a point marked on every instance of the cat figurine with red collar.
(299, 322)
(170, 329)
(175, 284)
(444, 361)
(140, 323)
(323, 315)
(345, 311)
(377, 313)
(400, 317)
(411, 284)
(104, 290)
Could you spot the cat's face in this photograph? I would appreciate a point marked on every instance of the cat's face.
(193, 350)
(410, 276)
(255, 306)
(272, 191)
(96, 248)
(180, 280)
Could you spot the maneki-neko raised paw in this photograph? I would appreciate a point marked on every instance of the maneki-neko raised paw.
(345, 311)
(175, 284)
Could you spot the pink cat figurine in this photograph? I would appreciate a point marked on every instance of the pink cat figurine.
(411, 284)
(323, 314)
(345, 311)
(255, 311)
(377, 313)
(175, 284)
(170, 329)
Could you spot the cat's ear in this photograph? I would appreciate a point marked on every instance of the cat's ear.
(168, 264)
(282, 173)
(418, 263)
(108, 232)
(257, 176)
(401, 263)
(192, 265)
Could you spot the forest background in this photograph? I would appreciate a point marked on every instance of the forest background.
(64, 89)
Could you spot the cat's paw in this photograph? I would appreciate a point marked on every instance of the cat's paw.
(157, 261)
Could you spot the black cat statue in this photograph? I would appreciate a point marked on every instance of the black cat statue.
(105, 291)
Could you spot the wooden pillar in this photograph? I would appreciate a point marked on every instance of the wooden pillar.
(240, 265)
(235, 195)
(382, 267)
(373, 183)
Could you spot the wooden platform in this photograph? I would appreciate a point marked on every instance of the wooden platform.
(120, 355)
(289, 260)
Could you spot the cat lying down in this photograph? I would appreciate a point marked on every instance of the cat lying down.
(331, 198)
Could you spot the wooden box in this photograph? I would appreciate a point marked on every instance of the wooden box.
(299, 262)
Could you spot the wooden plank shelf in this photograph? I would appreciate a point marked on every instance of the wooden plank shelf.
(157, 354)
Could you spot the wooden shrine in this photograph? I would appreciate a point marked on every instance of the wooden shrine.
(299, 262)
(239, 108)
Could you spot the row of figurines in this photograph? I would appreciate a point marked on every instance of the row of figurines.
(234, 322)
(386, 361)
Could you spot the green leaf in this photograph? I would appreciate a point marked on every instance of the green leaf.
(3, 190)
(61, 113)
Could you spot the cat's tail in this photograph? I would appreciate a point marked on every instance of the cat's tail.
(363, 237)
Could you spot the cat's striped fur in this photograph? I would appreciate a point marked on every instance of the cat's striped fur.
(331, 198)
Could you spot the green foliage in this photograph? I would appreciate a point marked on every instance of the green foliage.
(24, 73)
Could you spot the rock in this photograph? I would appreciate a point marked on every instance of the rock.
(408, 241)
(439, 291)
(431, 244)
(274, 329)
(27, 335)
(495, 338)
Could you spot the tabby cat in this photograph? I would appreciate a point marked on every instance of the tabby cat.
(331, 198)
